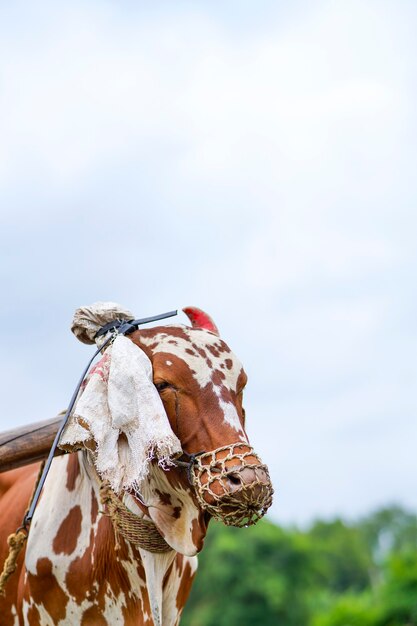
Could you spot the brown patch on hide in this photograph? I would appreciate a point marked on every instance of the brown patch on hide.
(178, 479)
(185, 587)
(73, 471)
(164, 498)
(213, 350)
(242, 380)
(126, 614)
(93, 617)
(200, 351)
(78, 578)
(8, 618)
(223, 347)
(168, 575)
(108, 566)
(228, 395)
(176, 512)
(130, 612)
(133, 609)
(34, 619)
(44, 589)
(66, 538)
(198, 531)
(228, 363)
(94, 506)
(146, 607)
(217, 378)
(179, 562)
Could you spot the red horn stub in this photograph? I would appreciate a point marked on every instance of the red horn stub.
(199, 319)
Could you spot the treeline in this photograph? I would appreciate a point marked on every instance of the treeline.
(333, 574)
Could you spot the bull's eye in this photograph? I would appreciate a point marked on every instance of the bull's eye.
(163, 385)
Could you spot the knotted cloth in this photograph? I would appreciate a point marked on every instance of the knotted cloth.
(119, 413)
(88, 320)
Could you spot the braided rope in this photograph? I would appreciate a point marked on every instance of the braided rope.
(133, 528)
(211, 474)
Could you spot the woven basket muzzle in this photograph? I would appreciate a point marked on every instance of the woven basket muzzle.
(222, 489)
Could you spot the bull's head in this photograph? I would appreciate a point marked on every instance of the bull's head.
(201, 383)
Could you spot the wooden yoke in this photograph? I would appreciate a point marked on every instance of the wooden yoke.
(28, 444)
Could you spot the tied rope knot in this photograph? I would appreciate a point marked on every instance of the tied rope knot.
(15, 541)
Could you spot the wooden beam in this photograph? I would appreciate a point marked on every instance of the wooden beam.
(28, 444)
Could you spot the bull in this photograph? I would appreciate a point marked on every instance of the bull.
(96, 555)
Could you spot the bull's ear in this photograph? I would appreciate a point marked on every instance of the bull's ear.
(199, 319)
(174, 510)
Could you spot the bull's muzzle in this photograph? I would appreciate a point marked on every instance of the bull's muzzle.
(233, 485)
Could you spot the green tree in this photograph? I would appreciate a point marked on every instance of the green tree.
(252, 577)
(342, 556)
(391, 529)
(398, 592)
(332, 574)
(348, 610)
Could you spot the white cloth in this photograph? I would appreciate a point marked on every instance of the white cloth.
(121, 411)
(89, 319)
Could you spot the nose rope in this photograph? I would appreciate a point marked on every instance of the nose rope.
(188, 465)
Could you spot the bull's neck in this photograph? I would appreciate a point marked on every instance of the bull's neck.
(89, 565)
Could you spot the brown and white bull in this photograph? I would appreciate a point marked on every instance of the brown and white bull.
(75, 570)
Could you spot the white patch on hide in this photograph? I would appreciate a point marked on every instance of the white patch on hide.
(200, 368)
(45, 618)
(155, 566)
(49, 517)
(232, 418)
(14, 615)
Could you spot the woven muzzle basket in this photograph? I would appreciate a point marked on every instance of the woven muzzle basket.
(248, 502)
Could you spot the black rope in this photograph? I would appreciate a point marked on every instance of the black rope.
(125, 327)
(188, 465)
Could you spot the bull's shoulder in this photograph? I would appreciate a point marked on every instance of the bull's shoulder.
(16, 488)
(18, 478)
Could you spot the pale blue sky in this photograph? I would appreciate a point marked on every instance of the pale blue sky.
(254, 159)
